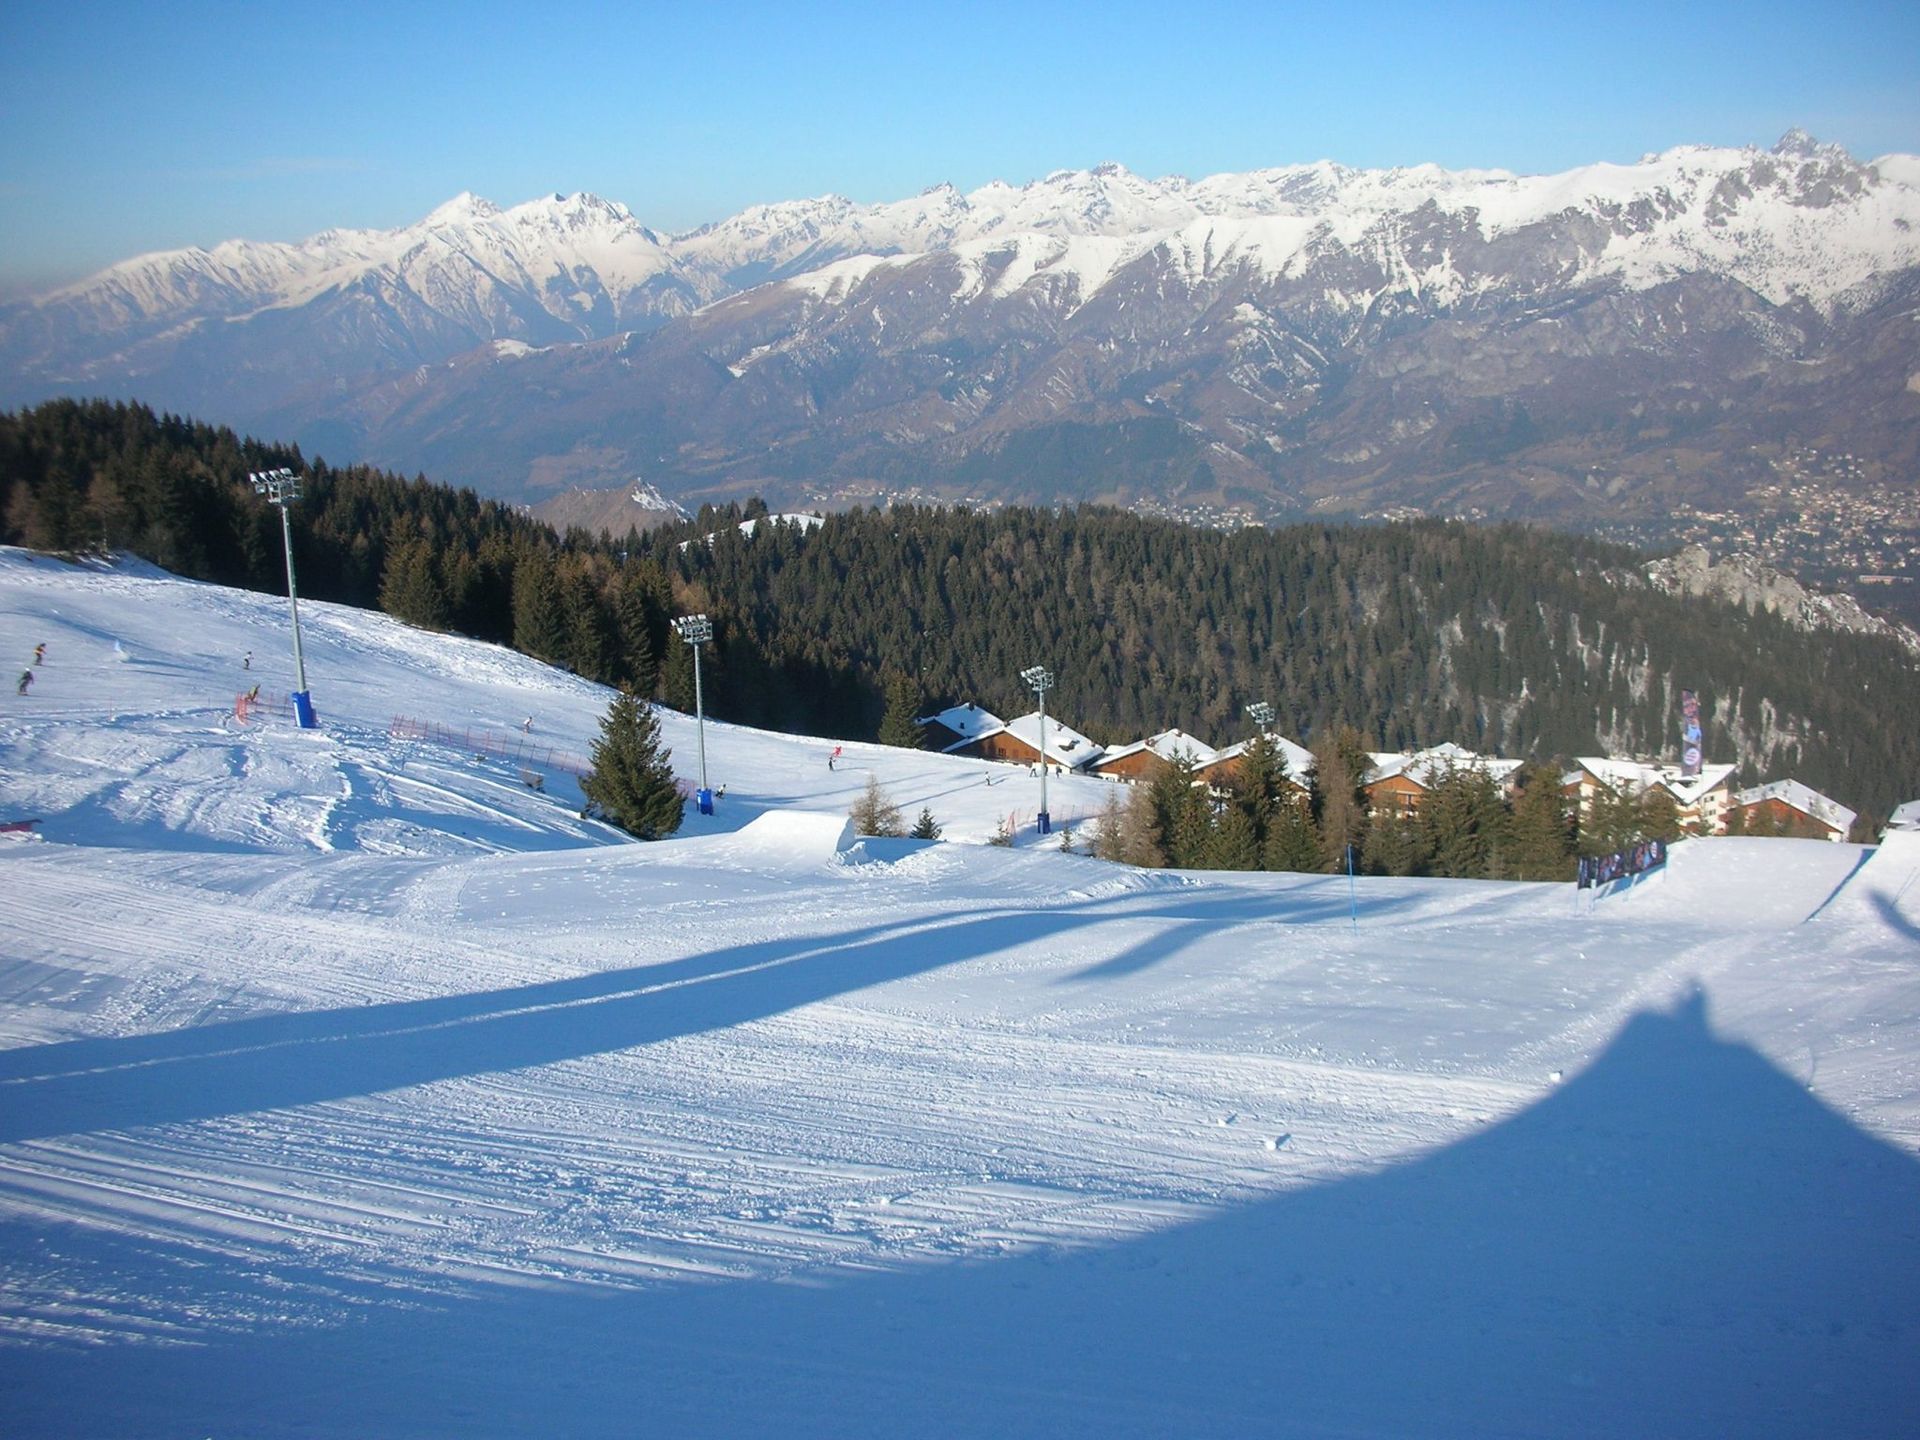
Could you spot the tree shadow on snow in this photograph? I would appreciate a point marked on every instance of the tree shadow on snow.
(1678, 1242)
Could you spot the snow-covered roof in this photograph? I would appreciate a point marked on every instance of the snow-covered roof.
(1803, 798)
(1167, 744)
(1299, 759)
(1065, 745)
(1427, 767)
(967, 721)
(1905, 817)
(1633, 776)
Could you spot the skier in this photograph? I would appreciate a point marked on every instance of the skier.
(526, 726)
(833, 757)
(246, 662)
(40, 653)
(26, 682)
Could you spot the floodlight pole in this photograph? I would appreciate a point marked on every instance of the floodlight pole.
(1040, 680)
(696, 630)
(282, 488)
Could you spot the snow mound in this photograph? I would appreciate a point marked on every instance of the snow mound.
(1884, 889)
(800, 839)
(1743, 883)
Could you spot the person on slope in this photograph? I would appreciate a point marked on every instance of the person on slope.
(26, 682)
(40, 653)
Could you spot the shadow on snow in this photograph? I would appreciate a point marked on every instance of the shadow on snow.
(1679, 1241)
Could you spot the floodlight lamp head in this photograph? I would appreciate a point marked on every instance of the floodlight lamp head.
(279, 486)
(1037, 678)
(1261, 712)
(694, 629)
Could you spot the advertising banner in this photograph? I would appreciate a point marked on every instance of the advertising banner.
(1690, 754)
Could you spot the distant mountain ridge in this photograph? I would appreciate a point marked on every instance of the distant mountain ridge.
(1291, 340)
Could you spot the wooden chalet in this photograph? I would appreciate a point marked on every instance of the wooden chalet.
(956, 727)
(1017, 742)
(1144, 759)
(1399, 784)
(1220, 772)
(1702, 801)
(1788, 807)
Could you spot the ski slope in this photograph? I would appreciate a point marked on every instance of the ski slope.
(350, 1087)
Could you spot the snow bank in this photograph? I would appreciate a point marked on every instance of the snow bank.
(797, 839)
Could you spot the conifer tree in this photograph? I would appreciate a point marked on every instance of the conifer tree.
(874, 813)
(676, 677)
(539, 625)
(631, 783)
(409, 588)
(1260, 787)
(1464, 825)
(1292, 841)
(899, 726)
(1659, 817)
(1232, 844)
(1109, 831)
(1179, 814)
(1395, 845)
(925, 827)
(1542, 832)
(1340, 763)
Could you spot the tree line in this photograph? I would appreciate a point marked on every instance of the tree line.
(1504, 639)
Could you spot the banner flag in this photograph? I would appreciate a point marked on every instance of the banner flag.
(1690, 755)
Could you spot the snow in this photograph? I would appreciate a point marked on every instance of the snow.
(350, 1087)
(1799, 221)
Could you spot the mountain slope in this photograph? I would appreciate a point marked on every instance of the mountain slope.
(348, 1087)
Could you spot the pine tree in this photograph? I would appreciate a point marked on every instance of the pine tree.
(409, 588)
(1232, 843)
(539, 625)
(1109, 831)
(1395, 845)
(926, 827)
(1260, 787)
(1292, 841)
(676, 677)
(1542, 832)
(1180, 816)
(1659, 817)
(631, 783)
(1339, 803)
(900, 724)
(874, 813)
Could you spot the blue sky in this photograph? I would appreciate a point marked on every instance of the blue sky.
(134, 127)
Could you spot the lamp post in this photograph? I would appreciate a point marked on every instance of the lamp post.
(1262, 714)
(696, 630)
(282, 488)
(1040, 680)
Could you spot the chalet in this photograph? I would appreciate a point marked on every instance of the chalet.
(1017, 742)
(1400, 784)
(1702, 800)
(1219, 772)
(1788, 807)
(958, 726)
(1144, 759)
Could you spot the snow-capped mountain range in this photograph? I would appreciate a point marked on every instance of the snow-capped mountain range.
(1236, 330)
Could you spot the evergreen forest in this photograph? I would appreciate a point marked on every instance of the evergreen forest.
(1508, 640)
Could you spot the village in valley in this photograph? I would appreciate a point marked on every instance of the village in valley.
(1705, 803)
